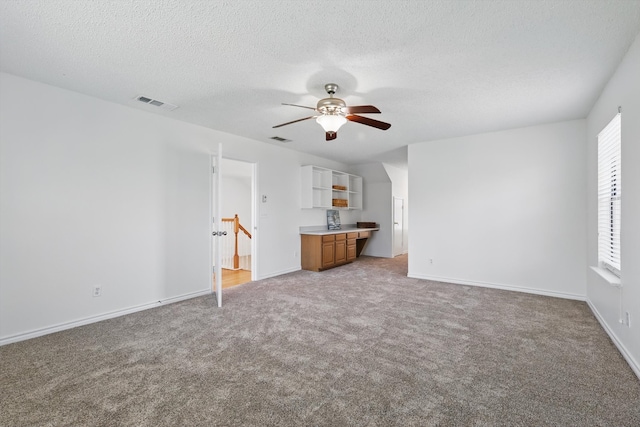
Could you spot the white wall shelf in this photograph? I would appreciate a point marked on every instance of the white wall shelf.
(325, 189)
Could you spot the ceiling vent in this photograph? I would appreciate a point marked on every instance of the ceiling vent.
(277, 138)
(156, 103)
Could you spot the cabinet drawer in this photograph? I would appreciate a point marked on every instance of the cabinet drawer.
(341, 237)
(328, 238)
(352, 235)
(364, 234)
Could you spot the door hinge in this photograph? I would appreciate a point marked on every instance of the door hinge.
(213, 169)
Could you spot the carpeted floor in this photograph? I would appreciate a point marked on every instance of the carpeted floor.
(359, 345)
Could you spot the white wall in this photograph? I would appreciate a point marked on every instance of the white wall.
(383, 182)
(503, 209)
(236, 196)
(400, 189)
(610, 303)
(93, 192)
(377, 207)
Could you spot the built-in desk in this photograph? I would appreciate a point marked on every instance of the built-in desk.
(324, 249)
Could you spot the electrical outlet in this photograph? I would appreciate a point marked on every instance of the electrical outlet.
(295, 254)
(430, 260)
(97, 291)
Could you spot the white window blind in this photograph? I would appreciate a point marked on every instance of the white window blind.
(609, 196)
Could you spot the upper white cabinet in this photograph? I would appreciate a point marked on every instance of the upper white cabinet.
(329, 189)
(355, 192)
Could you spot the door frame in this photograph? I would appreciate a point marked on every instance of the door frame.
(254, 221)
(254, 213)
(402, 228)
(215, 210)
(216, 205)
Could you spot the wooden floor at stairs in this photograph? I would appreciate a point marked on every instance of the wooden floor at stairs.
(234, 277)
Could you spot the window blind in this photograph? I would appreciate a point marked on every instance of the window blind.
(609, 196)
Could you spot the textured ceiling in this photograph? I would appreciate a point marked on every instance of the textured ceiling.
(435, 69)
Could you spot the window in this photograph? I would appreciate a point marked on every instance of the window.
(609, 196)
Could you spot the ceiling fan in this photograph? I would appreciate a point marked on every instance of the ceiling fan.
(333, 113)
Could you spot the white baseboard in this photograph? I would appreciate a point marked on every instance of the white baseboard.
(279, 273)
(93, 319)
(635, 366)
(503, 287)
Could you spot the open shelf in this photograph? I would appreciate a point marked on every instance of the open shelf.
(329, 189)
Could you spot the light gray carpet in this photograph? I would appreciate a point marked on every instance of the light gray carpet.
(359, 345)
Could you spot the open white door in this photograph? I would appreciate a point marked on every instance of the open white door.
(216, 234)
(398, 226)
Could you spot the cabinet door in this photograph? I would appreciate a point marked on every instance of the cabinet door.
(328, 254)
(351, 249)
(341, 251)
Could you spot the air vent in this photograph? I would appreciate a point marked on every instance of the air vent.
(156, 103)
(277, 138)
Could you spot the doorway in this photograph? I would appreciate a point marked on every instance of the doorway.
(237, 191)
(398, 226)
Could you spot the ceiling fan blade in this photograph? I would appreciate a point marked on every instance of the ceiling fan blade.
(331, 136)
(369, 122)
(301, 106)
(295, 121)
(362, 109)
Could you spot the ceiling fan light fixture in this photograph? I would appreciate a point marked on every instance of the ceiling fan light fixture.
(331, 122)
(332, 113)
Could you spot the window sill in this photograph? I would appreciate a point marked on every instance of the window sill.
(608, 276)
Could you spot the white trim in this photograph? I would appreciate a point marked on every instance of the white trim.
(211, 223)
(503, 287)
(608, 276)
(93, 319)
(280, 273)
(254, 221)
(635, 366)
(216, 215)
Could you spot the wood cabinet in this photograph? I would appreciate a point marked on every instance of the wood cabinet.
(341, 249)
(328, 251)
(323, 251)
(328, 258)
(329, 189)
(351, 246)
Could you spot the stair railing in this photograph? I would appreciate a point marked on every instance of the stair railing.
(237, 227)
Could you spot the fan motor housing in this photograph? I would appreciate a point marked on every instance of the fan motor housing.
(331, 106)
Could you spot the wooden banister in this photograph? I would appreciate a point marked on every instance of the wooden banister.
(245, 231)
(236, 228)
